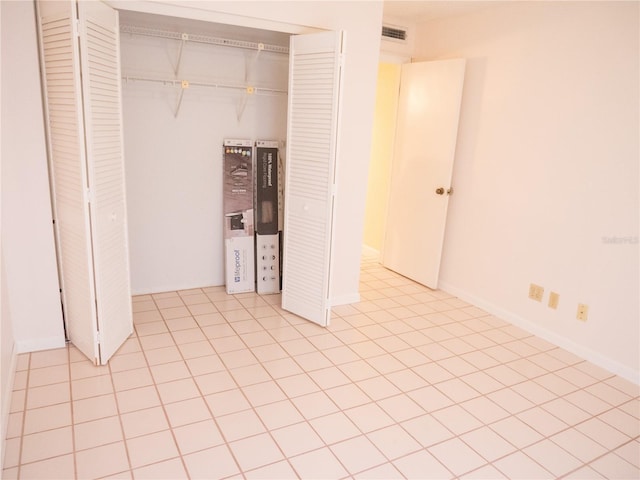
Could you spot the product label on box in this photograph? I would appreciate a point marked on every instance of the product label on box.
(267, 190)
(240, 264)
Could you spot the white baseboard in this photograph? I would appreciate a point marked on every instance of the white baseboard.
(345, 299)
(367, 250)
(5, 407)
(587, 353)
(40, 344)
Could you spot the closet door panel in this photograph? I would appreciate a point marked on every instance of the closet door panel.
(60, 61)
(99, 46)
(314, 93)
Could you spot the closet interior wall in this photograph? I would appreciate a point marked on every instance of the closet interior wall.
(173, 147)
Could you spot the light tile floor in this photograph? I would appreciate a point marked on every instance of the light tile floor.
(408, 383)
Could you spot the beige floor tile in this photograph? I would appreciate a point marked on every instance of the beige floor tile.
(519, 465)
(226, 402)
(143, 422)
(152, 448)
(318, 464)
(151, 328)
(358, 454)
(57, 467)
(187, 411)
(173, 469)
(91, 387)
(190, 335)
(456, 419)
(256, 451)
(279, 414)
(43, 396)
(12, 452)
(421, 465)
(250, 375)
(215, 462)
(168, 372)
(49, 358)
(394, 442)
(97, 433)
(47, 418)
(297, 385)
(334, 428)
(42, 445)
(488, 443)
(48, 375)
(457, 456)
(129, 379)
(178, 390)
(127, 361)
(94, 408)
(197, 436)
(602, 433)
(102, 461)
(297, 439)
(553, 458)
(516, 432)
(137, 399)
(240, 425)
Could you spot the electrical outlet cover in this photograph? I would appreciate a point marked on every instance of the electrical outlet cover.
(554, 299)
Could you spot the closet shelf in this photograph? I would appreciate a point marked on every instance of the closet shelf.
(195, 38)
(180, 83)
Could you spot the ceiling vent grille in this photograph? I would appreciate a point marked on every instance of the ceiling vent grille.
(394, 33)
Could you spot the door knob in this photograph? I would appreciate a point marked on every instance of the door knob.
(440, 191)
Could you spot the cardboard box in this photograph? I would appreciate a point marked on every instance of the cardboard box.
(266, 221)
(238, 216)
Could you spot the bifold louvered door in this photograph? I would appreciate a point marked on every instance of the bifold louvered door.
(80, 59)
(314, 96)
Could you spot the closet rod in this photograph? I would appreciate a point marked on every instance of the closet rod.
(154, 32)
(178, 83)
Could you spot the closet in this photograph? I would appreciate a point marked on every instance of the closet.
(83, 85)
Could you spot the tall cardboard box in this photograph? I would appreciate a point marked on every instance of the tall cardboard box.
(238, 216)
(266, 220)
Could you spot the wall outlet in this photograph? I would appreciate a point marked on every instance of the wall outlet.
(536, 292)
(583, 311)
(554, 299)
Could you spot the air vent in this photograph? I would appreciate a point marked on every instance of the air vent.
(394, 33)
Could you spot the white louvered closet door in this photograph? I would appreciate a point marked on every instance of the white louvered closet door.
(61, 65)
(82, 85)
(314, 96)
(100, 60)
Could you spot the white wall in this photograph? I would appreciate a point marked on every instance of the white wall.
(547, 169)
(361, 21)
(174, 164)
(27, 234)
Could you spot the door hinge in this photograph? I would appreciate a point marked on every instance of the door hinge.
(98, 338)
(89, 196)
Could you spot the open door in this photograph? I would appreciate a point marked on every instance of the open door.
(315, 75)
(84, 127)
(424, 150)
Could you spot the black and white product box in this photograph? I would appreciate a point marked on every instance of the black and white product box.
(238, 216)
(266, 220)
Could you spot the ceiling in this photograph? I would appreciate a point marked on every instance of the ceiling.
(418, 11)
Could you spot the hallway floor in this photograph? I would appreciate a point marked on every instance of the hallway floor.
(408, 383)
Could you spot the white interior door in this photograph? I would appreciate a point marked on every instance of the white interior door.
(82, 85)
(100, 60)
(424, 150)
(314, 95)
